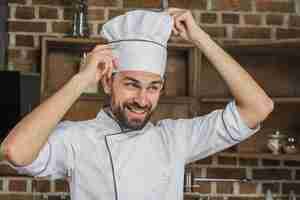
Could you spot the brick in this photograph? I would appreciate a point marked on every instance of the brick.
(40, 185)
(226, 173)
(54, 197)
(189, 4)
(61, 186)
(251, 33)
(17, 185)
(248, 188)
(292, 163)
(218, 32)
(208, 18)
(24, 40)
(68, 13)
(116, 12)
(202, 187)
(231, 5)
(17, 1)
(268, 162)
(294, 21)
(190, 197)
(287, 33)
(61, 27)
(24, 13)
(272, 174)
(297, 175)
(142, 3)
(49, 2)
(32, 27)
(228, 18)
(252, 19)
(227, 160)
(48, 13)
(274, 187)
(103, 3)
(20, 197)
(275, 6)
(23, 65)
(33, 56)
(215, 198)
(287, 187)
(6, 170)
(245, 198)
(58, 197)
(95, 14)
(248, 162)
(274, 19)
(196, 171)
(224, 188)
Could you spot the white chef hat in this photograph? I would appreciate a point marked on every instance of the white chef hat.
(139, 40)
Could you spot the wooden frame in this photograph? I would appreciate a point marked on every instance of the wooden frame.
(183, 59)
(274, 65)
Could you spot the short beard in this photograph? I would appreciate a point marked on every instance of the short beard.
(124, 122)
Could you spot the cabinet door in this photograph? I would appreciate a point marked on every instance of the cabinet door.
(84, 110)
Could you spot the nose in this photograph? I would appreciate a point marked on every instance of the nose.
(142, 97)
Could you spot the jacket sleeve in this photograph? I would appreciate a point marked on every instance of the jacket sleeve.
(203, 136)
(55, 157)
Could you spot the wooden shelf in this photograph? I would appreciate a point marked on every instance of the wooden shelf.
(294, 157)
(279, 47)
(279, 100)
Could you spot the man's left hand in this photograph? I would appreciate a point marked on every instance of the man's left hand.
(184, 25)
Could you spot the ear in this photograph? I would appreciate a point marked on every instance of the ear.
(106, 84)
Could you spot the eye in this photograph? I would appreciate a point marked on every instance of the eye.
(154, 88)
(131, 85)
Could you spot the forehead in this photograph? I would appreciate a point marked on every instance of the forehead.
(141, 76)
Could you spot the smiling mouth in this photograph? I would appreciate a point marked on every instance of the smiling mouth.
(137, 110)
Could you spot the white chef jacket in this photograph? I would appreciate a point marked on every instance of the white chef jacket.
(105, 163)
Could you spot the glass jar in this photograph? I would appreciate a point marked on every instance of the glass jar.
(276, 142)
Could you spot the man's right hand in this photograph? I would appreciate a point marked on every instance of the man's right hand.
(99, 63)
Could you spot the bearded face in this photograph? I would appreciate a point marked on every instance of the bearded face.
(134, 96)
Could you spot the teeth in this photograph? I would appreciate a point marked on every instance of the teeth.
(139, 111)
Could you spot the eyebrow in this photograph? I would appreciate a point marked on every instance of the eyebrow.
(137, 81)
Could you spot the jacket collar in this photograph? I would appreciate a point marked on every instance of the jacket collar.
(107, 120)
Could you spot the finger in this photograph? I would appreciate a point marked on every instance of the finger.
(97, 57)
(110, 68)
(116, 63)
(103, 51)
(180, 22)
(172, 11)
(175, 31)
(104, 67)
(102, 47)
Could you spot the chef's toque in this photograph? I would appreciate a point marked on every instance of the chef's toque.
(139, 40)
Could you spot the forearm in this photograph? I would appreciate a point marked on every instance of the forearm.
(250, 98)
(25, 140)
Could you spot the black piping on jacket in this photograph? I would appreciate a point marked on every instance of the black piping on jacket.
(110, 154)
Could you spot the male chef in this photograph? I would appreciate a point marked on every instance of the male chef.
(120, 155)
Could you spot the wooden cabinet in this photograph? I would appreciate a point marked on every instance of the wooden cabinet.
(193, 87)
(275, 66)
(61, 59)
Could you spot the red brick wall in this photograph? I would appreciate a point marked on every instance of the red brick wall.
(232, 20)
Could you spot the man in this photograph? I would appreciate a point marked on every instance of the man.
(119, 154)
